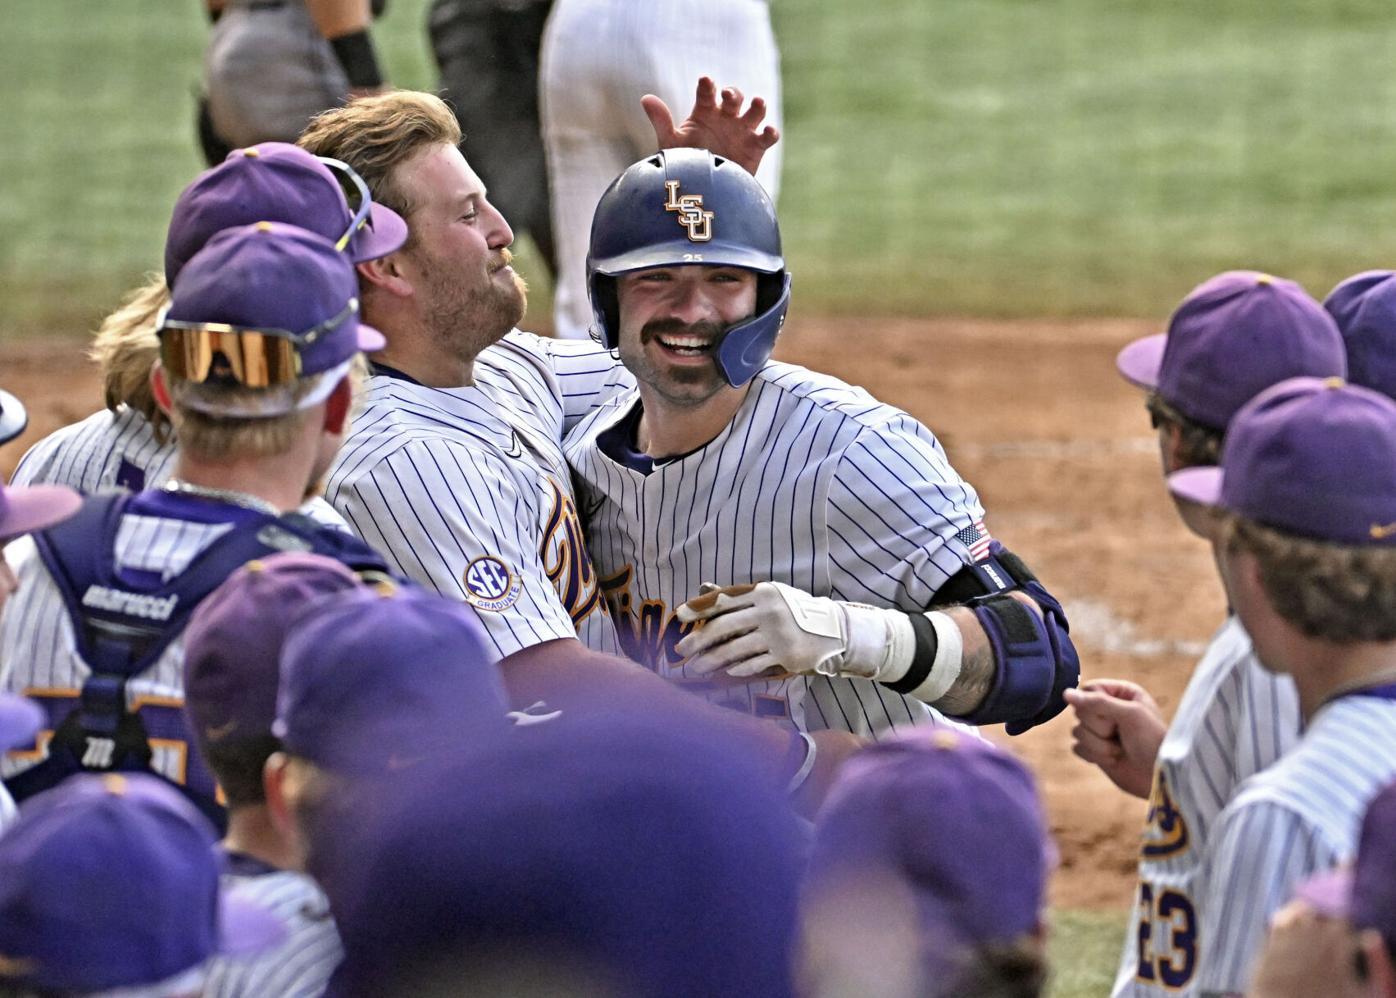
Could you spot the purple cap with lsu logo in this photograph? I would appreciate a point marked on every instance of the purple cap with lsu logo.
(953, 818)
(279, 182)
(112, 882)
(232, 644)
(1312, 457)
(1364, 307)
(374, 681)
(1233, 336)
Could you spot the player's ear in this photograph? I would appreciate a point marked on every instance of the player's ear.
(338, 407)
(274, 787)
(160, 388)
(386, 274)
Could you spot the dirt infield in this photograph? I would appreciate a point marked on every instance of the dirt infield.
(1059, 447)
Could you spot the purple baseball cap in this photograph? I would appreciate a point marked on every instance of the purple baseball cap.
(376, 681)
(1311, 457)
(622, 853)
(957, 820)
(276, 276)
(112, 882)
(232, 644)
(1233, 336)
(1364, 307)
(279, 182)
(20, 720)
(1365, 892)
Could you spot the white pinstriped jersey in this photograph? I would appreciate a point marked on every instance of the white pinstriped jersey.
(466, 490)
(39, 654)
(106, 452)
(7, 809)
(1299, 817)
(1234, 720)
(815, 484)
(298, 968)
(117, 452)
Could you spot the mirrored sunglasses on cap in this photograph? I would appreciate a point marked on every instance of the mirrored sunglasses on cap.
(356, 193)
(250, 356)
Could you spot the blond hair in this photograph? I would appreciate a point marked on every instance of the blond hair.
(1331, 592)
(208, 436)
(126, 346)
(376, 134)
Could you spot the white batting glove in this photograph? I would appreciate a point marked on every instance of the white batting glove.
(772, 628)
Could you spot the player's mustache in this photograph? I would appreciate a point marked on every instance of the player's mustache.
(659, 327)
(501, 261)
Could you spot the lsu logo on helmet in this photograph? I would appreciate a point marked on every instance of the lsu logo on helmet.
(689, 207)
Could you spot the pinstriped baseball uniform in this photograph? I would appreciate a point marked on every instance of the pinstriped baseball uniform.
(1299, 817)
(38, 648)
(599, 57)
(114, 452)
(814, 483)
(1234, 720)
(298, 968)
(466, 490)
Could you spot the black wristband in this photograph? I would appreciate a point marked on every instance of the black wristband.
(922, 657)
(355, 53)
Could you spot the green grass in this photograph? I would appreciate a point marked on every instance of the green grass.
(995, 157)
(1084, 949)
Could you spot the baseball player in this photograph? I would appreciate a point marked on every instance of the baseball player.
(487, 54)
(109, 887)
(1306, 495)
(1232, 336)
(721, 467)
(455, 467)
(257, 348)
(598, 57)
(232, 650)
(905, 894)
(271, 65)
(130, 445)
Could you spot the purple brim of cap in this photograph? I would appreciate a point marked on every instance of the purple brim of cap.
(1199, 485)
(1328, 893)
(1141, 361)
(385, 233)
(20, 720)
(33, 507)
(370, 339)
(245, 928)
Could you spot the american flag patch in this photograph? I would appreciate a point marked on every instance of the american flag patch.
(976, 538)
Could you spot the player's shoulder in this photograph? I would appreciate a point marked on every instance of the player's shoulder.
(824, 393)
(398, 413)
(1347, 752)
(1226, 666)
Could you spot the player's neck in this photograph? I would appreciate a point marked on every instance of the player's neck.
(427, 365)
(669, 430)
(1331, 670)
(252, 832)
(279, 481)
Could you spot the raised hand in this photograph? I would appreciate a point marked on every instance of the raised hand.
(718, 125)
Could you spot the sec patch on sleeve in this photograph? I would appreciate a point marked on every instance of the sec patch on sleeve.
(490, 584)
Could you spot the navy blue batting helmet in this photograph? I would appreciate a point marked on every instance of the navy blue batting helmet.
(689, 206)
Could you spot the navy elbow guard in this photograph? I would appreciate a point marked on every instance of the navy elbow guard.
(1034, 657)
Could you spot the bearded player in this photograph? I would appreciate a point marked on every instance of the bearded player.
(723, 467)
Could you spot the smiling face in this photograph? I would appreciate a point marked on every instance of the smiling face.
(458, 259)
(671, 320)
